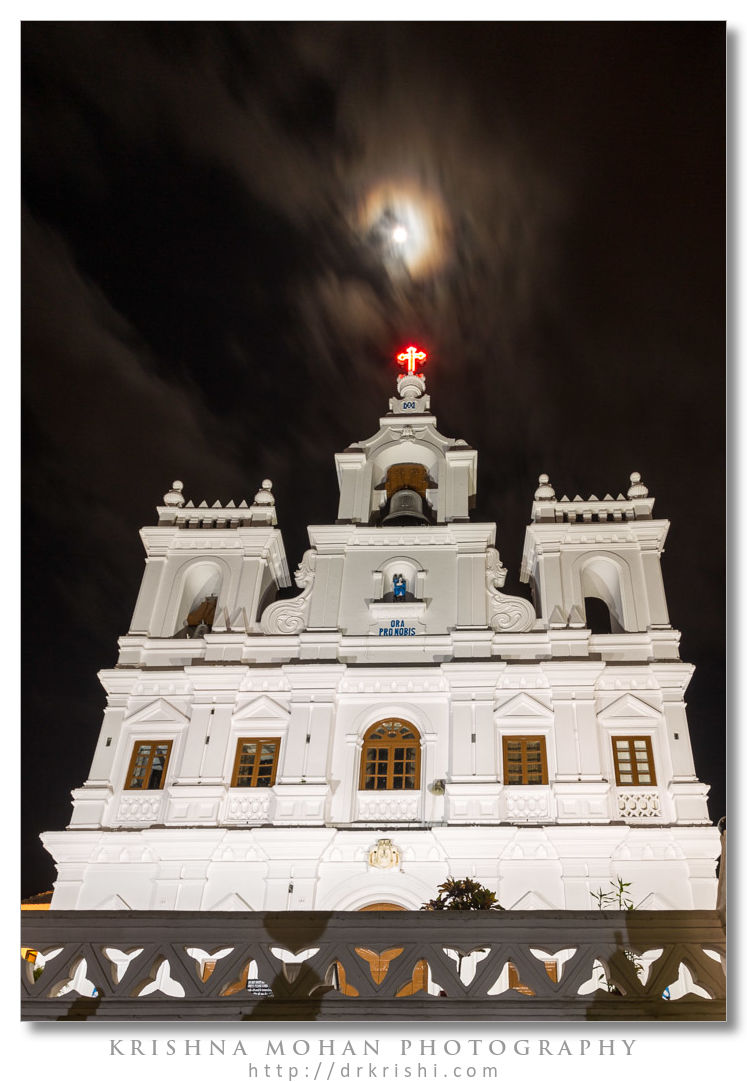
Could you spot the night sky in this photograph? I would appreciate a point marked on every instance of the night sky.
(208, 294)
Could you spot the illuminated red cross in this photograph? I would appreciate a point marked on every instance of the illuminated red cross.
(410, 358)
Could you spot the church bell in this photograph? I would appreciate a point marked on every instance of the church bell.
(406, 509)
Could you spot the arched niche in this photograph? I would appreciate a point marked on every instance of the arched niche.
(413, 576)
(607, 578)
(200, 581)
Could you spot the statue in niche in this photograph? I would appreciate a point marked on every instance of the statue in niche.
(399, 587)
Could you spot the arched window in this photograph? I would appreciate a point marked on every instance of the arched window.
(391, 756)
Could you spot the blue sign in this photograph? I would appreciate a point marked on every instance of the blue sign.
(397, 628)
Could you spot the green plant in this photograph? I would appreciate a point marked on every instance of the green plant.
(462, 894)
(617, 898)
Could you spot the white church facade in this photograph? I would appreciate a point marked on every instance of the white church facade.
(401, 719)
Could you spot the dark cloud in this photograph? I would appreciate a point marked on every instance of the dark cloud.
(201, 300)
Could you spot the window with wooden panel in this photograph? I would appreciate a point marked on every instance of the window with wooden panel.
(524, 760)
(391, 756)
(256, 762)
(634, 760)
(148, 764)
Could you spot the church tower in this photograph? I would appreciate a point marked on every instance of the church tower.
(401, 719)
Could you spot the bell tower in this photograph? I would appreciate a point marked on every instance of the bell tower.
(209, 568)
(608, 549)
(408, 473)
(403, 564)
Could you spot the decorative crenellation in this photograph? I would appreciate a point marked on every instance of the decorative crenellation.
(621, 508)
(175, 511)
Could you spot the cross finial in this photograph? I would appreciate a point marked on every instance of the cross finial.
(409, 359)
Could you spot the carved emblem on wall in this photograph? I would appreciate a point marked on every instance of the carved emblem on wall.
(384, 854)
(505, 613)
(290, 617)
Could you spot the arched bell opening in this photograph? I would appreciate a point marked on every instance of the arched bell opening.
(406, 485)
(199, 601)
(601, 579)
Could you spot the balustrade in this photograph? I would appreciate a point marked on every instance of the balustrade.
(304, 965)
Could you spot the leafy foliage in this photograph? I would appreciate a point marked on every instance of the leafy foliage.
(617, 898)
(463, 894)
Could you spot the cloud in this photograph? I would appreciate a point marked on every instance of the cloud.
(310, 119)
(101, 417)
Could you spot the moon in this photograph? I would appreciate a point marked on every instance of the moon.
(408, 225)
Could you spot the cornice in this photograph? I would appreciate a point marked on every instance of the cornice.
(337, 537)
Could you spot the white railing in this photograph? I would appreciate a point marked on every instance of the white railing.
(538, 965)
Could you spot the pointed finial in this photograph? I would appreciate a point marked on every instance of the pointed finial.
(637, 490)
(545, 490)
(174, 497)
(262, 511)
(264, 496)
